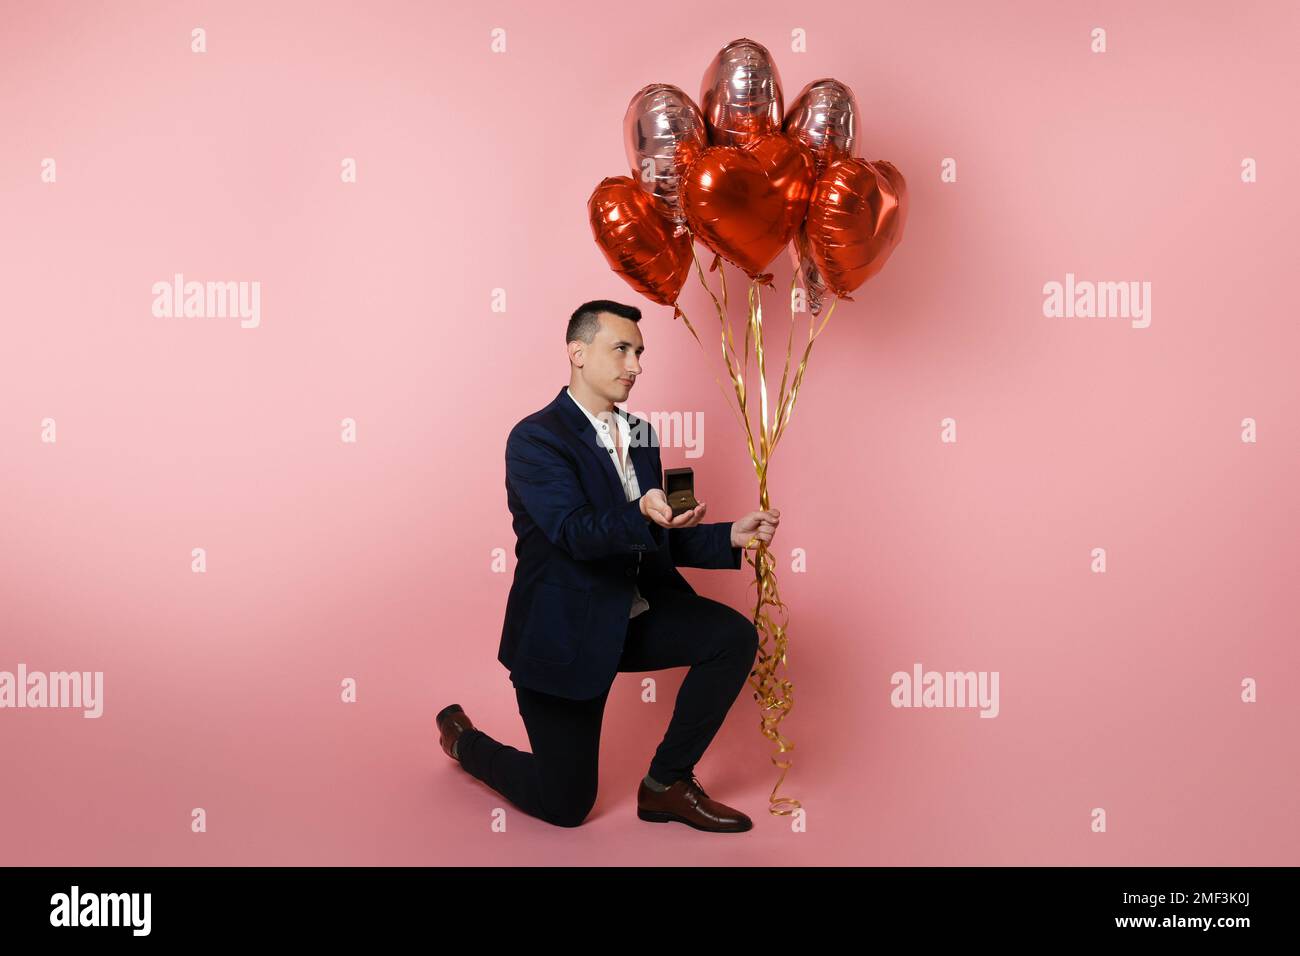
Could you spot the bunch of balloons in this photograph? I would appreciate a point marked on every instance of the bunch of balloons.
(747, 178)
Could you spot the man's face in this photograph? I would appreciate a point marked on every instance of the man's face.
(612, 362)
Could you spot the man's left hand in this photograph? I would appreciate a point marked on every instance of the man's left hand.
(756, 524)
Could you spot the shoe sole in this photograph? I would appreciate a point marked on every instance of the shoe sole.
(663, 816)
(450, 708)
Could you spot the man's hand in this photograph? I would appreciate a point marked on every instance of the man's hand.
(654, 505)
(756, 524)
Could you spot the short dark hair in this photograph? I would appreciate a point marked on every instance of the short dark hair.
(585, 321)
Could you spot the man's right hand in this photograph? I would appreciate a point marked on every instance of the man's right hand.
(654, 505)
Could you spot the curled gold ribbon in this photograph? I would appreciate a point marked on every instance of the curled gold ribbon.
(774, 694)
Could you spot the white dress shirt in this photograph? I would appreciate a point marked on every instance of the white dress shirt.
(626, 473)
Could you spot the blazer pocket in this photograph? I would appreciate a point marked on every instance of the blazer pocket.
(556, 620)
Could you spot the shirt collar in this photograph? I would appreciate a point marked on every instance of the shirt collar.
(599, 425)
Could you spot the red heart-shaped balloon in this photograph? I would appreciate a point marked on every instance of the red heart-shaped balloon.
(638, 241)
(855, 220)
(747, 202)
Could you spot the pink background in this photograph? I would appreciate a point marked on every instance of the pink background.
(373, 560)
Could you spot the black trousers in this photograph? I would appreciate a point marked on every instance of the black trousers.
(557, 781)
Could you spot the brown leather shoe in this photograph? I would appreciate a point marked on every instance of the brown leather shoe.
(451, 722)
(686, 802)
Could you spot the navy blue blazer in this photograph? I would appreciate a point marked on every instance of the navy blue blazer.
(580, 544)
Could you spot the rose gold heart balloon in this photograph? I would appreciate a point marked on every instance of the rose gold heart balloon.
(855, 220)
(663, 132)
(740, 95)
(745, 203)
(822, 117)
(638, 242)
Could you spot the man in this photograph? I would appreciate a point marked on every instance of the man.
(596, 591)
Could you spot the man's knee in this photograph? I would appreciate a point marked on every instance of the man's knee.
(570, 815)
(733, 636)
(567, 802)
(744, 634)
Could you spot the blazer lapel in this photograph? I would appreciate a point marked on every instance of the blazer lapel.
(586, 437)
